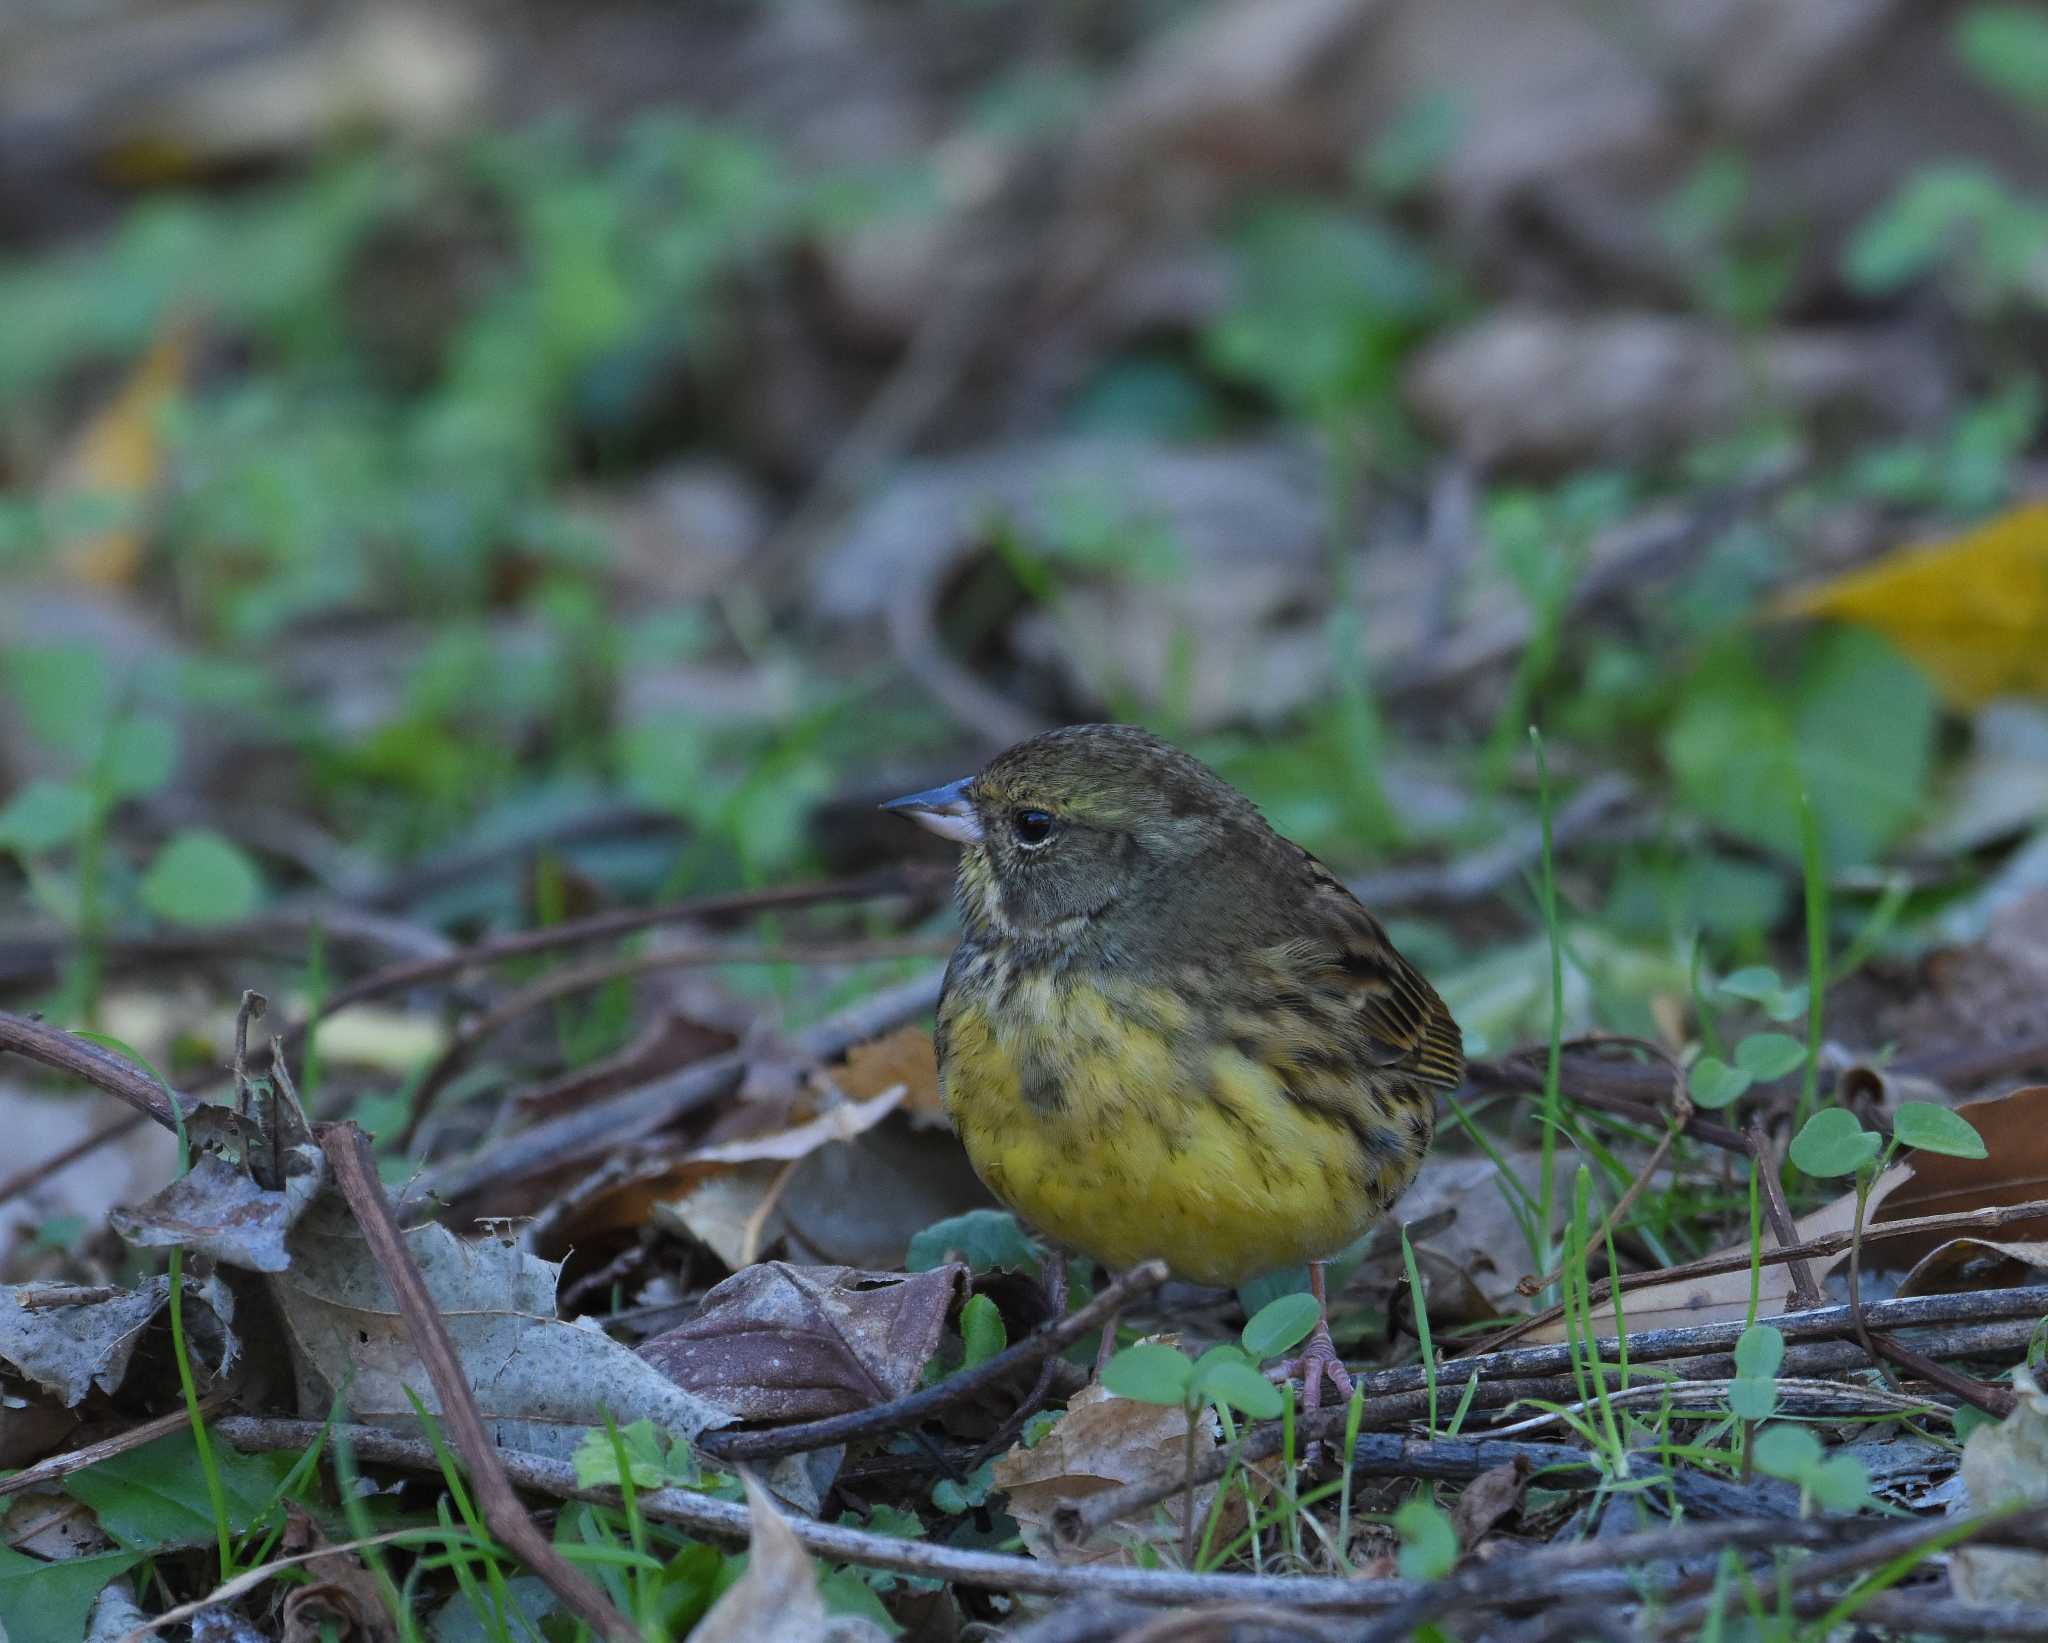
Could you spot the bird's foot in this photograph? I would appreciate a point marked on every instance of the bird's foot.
(1318, 1361)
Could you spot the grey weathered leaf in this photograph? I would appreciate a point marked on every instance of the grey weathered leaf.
(782, 1342)
(70, 1348)
(540, 1382)
(215, 1209)
(2005, 1465)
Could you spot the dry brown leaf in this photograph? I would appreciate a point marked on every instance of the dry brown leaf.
(1487, 1499)
(342, 1600)
(1472, 1226)
(1971, 610)
(777, 1598)
(1104, 1442)
(904, 1057)
(1974, 1263)
(2005, 1463)
(840, 1123)
(118, 459)
(1723, 1296)
(2014, 1171)
(785, 1343)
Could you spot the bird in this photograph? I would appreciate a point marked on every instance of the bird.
(1169, 1032)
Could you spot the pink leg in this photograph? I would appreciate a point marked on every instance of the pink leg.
(1318, 1357)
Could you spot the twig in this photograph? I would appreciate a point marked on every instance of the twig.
(82, 1058)
(355, 1173)
(927, 1401)
(895, 881)
(1658, 1345)
(557, 1142)
(54, 1467)
(1996, 1215)
(584, 978)
(727, 1520)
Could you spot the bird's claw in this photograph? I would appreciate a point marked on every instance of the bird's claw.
(1318, 1360)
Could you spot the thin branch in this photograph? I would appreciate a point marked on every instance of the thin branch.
(82, 1058)
(355, 1173)
(557, 1142)
(584, 978)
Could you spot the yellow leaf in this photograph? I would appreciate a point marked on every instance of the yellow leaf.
(1971, 611)
(118, 458)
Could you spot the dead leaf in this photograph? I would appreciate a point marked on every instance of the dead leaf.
(216, 1210)
(1725, 1295)
(71, 1348)
(343, 1598)
(117, 460)
(1970, 610)
(783, 1343)
(904, 1057)
(2005, 1463)
(1472, 1226)
(838, 1123)
(777, 1598)
(1104, 1442)
(541, 1383)
(1974, 1263)
(1487, 1499)
(2014, 1171)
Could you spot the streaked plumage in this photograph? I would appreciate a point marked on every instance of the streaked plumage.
(1167, 1031)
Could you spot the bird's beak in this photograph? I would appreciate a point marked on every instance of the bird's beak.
(945, 810)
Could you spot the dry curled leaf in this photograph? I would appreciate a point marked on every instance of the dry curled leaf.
(777, 1598)
(68, 1339)
(2005, 1464)
(1104, 1442)
(778, 1342)
(214, 1209)
(904, 1057)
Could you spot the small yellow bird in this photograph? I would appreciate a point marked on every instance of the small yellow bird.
(1169, 1032)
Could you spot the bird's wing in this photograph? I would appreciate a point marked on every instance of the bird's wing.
(1405, 1021)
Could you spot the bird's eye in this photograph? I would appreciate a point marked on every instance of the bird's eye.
(1032, 827)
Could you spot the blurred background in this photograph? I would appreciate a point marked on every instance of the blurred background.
(470, 462)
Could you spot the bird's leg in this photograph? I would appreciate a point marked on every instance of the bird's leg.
(1318, 1354)
(1107, 1350)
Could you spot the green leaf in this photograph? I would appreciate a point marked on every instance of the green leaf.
(964, 1495)
(1833, 1142)
(982, 1331)
(1841, 1483)
(1429, 1545)
(1713, 1083)
(1765, 1056)
(201, 878)
(1752, 1400)
(1281, 1324)
(1233, 1381)
(141, 754)
(1788, 1452)
(988, 1240)
(66, 693)
(2006, 47)
(52, 1600)
(845, 1592)
(1759, 984)
(44, 815)
(1760, 1351)
(1930, 1128)
(1855, 729)
(156, 1495)
(597, 1462)
(1150, 1373)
